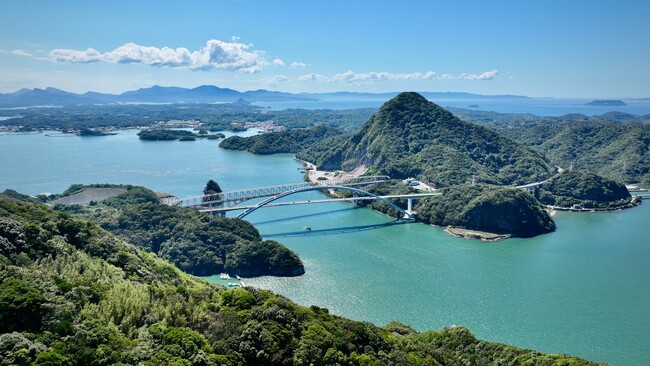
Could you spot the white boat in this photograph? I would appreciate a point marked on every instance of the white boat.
(308, 228)
(233, 284)
(224, 276)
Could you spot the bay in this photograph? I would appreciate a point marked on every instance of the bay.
(582, 290)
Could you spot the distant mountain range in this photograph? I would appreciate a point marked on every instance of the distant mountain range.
(201, 94)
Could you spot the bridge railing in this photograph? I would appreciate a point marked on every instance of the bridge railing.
(234, 197)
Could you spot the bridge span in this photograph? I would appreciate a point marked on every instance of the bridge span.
(232, 198)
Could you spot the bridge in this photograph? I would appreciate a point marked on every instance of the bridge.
(232, 198)
(406, 214)
(223, 202)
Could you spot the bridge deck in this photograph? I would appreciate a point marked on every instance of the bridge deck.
(238, 196)
(328, 200)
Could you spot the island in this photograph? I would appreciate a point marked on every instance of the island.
(606, 103)
(171, 135)
(94, 132)
(280, 142)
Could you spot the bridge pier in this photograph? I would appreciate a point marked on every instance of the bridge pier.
(409, 209)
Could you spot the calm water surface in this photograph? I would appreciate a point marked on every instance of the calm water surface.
(583, 290)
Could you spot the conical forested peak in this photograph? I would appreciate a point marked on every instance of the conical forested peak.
(410, 136)
(410, 101)
(406, 112)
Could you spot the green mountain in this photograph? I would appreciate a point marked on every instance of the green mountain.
(411, 136)
(74, 294)
(615, 145)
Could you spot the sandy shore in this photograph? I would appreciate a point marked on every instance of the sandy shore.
(475, 234)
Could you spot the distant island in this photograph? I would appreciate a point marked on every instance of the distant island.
(473, 106)
(92, 132)
(606, 103)
(171, 135)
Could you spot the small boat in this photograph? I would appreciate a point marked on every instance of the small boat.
(308, 228)
(233, 284)
(224, 276)
(238, 278)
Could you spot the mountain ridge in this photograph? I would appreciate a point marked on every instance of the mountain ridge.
(200, 94)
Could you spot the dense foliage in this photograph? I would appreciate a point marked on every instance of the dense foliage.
(499, 210)
(585, 189)
(91, 299)
(290, 141)
(192, 240)
(493, 209)
(164, 135)
(411, 136)
(615, 145)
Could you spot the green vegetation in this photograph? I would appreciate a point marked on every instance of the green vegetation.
(212, 117)
(585, 189)
(94, 132)
(195, 242)
(180, 135)
(212, 187)
(499, 210)
(92, 299)
(411, 136)
(164, 135)
(615, 145)
(279, 142)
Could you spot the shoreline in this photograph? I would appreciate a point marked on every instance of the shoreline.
(459, 232)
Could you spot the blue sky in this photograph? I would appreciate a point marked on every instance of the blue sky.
(590, 49)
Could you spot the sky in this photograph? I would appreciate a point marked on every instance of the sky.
(563, 49)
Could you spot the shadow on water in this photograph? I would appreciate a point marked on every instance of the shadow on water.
(302, 216)
(336, 230)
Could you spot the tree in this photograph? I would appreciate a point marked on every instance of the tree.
(212, 187)
(20, 306)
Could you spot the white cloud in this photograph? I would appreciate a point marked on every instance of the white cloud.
(351, 77)
(488, 75)
(216, 54)
(312, 77)
(298, 65)
(278, 79)
(16, 52)
(277, 62)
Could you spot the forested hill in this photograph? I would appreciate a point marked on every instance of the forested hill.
(615, 145)
(73, 294)
(411, 136)
(280, 142)
(192, 240)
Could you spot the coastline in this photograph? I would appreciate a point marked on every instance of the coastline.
(460, 232)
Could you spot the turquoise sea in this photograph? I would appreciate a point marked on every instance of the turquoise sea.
(582, 290)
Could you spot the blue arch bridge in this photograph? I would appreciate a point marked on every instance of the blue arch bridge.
(223, 202)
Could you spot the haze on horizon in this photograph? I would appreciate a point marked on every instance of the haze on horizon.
(566, 49)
